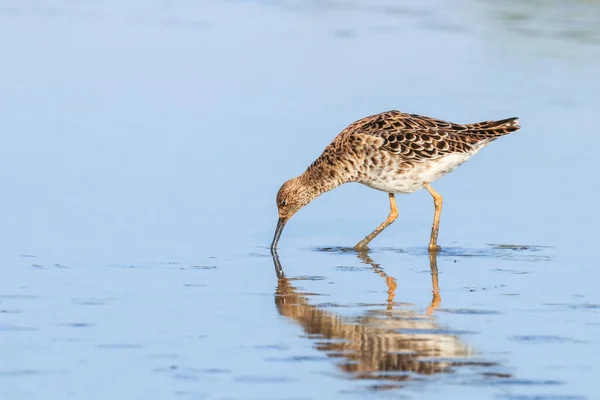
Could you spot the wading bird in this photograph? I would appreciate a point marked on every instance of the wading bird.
(394, 152)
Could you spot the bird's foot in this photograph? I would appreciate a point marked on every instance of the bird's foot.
(434, 248)
(361, 247)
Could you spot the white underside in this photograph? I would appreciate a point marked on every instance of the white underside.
(413, 179)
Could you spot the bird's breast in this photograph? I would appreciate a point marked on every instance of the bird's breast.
(397, 176)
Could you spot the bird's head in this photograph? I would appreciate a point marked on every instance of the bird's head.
(292, 196)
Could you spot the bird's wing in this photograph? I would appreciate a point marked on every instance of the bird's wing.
(420, 138)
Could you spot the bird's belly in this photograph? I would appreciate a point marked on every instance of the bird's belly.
(389, 180)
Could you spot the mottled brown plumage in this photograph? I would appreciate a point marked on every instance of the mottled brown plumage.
(393, 152)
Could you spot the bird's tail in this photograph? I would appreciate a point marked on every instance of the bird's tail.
(493, 129)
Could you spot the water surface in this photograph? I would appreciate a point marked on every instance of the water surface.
(142, 147)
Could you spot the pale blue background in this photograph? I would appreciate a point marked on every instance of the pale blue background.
(140, 138)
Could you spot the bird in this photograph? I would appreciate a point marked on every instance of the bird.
(393, 152)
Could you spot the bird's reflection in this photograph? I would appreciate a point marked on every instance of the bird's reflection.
(390, 344)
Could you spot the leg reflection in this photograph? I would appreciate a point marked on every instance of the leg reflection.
(391, 281)
(435, 302)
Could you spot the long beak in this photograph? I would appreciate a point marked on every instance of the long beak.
(278, 230)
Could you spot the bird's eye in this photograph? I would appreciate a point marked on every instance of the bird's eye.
(283, 203)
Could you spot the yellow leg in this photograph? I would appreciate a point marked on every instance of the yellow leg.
(362, 245)
(437, 201)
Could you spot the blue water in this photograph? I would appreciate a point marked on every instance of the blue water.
(141, 148)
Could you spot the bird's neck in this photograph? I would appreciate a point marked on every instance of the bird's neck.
(321, 177)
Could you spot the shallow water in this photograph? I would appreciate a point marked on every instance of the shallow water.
(142, 147)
